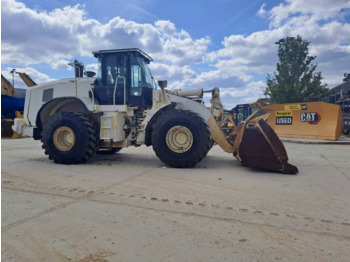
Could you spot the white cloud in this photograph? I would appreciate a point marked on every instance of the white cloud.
(162, 71)
(64, 33)
(91, 67)
(178, 46)
(34, 74)
(322, 23)
(262, 12)
(246, 55)
(315, 9)
(166, 28)
(61, 64)
(58, 36)
(245, 95)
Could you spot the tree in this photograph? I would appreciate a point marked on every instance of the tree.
(296, 79)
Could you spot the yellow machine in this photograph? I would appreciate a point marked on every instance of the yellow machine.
(6, 87)
(26, 79)
(241, 112)
(317, 120)
(261, 102)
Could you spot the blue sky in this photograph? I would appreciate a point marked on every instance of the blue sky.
(199, 18)
(229, 44)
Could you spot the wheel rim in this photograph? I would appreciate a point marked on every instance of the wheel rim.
(64, 138)
(179, 139)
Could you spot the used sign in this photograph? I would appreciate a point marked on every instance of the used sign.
(284, 120)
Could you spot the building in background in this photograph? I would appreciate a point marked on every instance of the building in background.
(340, 95)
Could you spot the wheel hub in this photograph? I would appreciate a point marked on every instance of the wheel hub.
(179, 139)
(64, 138)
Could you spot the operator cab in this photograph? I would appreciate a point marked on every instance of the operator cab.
(124, 74)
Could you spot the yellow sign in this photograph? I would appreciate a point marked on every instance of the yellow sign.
(292, 107)
(284, 113)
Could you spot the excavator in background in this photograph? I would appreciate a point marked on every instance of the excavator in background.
(11, 107)
(26, 79)
(6, 87)
(121, 107)
(241, 112)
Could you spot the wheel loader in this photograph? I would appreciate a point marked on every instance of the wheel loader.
(121, 106)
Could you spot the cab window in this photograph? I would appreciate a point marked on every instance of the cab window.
(113, 65)
(140, 75)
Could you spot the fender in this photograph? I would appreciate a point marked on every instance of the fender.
(74, 104)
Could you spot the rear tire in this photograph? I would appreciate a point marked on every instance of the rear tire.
(70, 138)
(180, 138)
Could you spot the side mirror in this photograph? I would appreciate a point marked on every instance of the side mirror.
(163, 84)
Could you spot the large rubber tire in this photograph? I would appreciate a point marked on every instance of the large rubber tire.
(184, 128)
(70, 138)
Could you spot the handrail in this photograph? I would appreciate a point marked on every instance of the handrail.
(115, 88)
(76, 64)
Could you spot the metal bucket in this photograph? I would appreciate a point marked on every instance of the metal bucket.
(258, 146)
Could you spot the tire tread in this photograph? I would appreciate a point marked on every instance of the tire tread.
(204, 139)
(92, 138)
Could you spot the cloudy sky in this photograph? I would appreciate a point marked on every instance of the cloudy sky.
(195, 43)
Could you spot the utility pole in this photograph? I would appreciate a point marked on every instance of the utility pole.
(13, 76)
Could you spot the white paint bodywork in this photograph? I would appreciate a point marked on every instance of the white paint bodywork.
(61, 88)
(114, 119)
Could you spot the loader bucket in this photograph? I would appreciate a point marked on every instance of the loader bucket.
(258, 146)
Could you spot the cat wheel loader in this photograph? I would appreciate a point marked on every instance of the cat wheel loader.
(120, 107)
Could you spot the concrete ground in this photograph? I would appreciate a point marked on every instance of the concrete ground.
(131, 207)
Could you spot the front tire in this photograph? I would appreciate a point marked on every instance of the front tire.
(180, 138)
(70, 138)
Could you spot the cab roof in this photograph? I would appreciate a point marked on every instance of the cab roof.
(143, 54)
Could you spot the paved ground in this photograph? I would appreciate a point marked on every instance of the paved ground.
(344, 140)
(130, 207)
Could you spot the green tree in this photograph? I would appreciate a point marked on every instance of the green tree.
(295, 79)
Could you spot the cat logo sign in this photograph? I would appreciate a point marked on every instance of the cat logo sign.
(311, 118)
(303, 120)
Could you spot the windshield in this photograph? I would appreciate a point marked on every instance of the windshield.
(132, 66)
(109, 67)
(140, 75)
